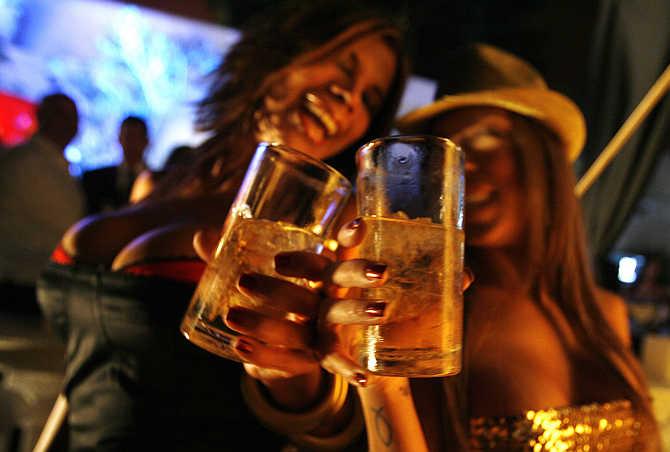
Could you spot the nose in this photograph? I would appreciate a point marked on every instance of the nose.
(344, 95)
(345, 105)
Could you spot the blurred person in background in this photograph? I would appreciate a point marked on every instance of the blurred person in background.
(109, 188)
(180, 157)
(649, 300)
(39, 199)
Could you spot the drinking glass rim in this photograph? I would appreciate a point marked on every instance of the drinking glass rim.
(407, 138)
(304, 156)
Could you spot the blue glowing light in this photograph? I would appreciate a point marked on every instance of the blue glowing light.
(628, 270)
(10, 12)
(134, 61)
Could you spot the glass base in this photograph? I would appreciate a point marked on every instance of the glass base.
(214, 339)
(413, 363)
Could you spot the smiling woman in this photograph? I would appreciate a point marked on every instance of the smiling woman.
(326, 101)
(318, 76)
(547, 357)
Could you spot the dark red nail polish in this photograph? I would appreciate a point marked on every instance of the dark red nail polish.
(375, 309)
(248, 282)
(355, 223)
(243, 346)
(375, 271)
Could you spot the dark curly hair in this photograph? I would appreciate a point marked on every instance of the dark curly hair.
(270, 42)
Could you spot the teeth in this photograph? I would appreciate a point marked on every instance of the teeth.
(314, 106)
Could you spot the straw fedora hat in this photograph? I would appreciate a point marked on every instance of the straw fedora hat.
(487, 76)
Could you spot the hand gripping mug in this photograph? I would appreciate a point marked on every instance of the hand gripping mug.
(288, 201)
(410, 196)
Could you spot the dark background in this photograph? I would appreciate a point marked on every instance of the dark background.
(560, 38)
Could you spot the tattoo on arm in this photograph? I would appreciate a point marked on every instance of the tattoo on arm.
(382, 426)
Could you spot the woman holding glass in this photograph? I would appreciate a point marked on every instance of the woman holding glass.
(321, 78)
(547, 363)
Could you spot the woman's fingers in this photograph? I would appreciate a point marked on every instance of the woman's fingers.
(205, 241)
(278, 295)
(359, 273)
(300, 264)
(351, 233)
(284, 360)
(270, 330)
(353, 373)
(357, 312)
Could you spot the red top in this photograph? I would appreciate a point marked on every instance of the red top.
(185, 269)
(59, 256)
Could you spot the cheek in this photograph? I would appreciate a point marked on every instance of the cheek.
(284, 91)
(503, 171)
(515, 214)
(360, 125)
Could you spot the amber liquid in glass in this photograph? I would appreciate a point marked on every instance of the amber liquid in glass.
(422, 333)
(250, 247)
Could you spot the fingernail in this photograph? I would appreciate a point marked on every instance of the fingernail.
(248, 282)
(375, 271)
(282, 261)
(360, 379)
(355, 223)
(376, 309)
(243, 346)
(336, 364)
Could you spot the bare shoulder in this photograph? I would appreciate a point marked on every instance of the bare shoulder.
(95, 240)
(615, 311)
(171, 241)
(98, 240)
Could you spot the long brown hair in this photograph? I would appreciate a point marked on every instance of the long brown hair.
(558, 274)
(557, 264)
(558, 252)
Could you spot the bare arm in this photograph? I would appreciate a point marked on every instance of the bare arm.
(391, 419)
(615, 312)
(98, 239)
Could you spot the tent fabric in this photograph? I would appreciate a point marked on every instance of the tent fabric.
(631, 49)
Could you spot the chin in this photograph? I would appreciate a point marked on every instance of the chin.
(484, 236)
(321, 151)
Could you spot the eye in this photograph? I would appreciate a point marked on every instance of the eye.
(349, 65)
(486, 141)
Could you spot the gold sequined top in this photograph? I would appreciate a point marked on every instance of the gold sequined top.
(609, 426)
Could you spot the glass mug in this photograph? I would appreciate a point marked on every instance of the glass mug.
(288, 201)
(410, 196)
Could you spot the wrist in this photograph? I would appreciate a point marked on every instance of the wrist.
(381, 385)
(291, 422)
(299, 392)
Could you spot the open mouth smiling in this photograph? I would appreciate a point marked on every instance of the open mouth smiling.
(316, 108)
(310, 116)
